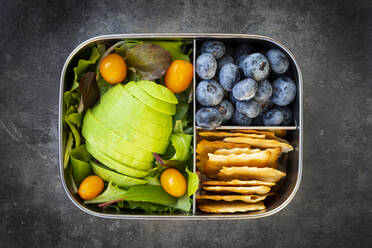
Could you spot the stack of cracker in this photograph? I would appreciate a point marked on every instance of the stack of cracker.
(243, 167)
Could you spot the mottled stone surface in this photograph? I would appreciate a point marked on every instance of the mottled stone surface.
(332, 42)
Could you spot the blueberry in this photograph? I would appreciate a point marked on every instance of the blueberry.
(209, 93)
(267, 105)
(273, 117)
(226, 109)
(284, 91)
(287, 112)
(255, 66)
(278, 61)
(224, 60)
(208, 118)
(216, 48)
(240, 119)
(245, 89)
(264, 91)
(229, 76)
(240, 60)
(242, 49)
(249, 108)
(206, 66)
(232, 99)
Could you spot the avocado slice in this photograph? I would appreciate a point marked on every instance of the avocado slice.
(158, 91)
(118, 112)
(92, 127)
(93, 132)
(112, 164)
(150, 101)
(119, 179)
(132, 111)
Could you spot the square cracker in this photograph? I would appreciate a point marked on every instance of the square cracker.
(228, 207)
(245, 190)
(261, 143)
(250, 173)
(239, 183)
(204, 147)
(230, 198)
(231, 134)
(263, 158)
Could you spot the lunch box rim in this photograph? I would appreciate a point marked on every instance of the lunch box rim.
(194, 36)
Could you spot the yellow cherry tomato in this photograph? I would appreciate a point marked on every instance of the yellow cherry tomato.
(173, 182)
(113, 68)
(179, 76)
(91, 187)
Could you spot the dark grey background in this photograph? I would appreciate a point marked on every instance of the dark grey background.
(332, 42)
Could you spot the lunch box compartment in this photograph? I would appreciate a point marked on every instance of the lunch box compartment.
(291, 162)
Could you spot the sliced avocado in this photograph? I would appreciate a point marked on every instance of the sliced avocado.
(150, 101)
(117, 103)
(118, 114)
(118, 155)
(158, 91)
(119, 179)
(92, 127)
(93, 132)
(114, 165)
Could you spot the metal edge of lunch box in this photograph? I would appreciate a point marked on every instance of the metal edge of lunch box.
(191, 216)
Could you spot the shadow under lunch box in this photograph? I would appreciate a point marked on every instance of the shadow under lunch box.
(291, 162)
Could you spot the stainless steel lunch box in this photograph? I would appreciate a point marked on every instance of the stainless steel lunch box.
(292, 162)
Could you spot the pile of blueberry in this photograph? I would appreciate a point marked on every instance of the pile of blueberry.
(234, 88)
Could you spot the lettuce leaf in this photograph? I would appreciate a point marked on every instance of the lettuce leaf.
(183, 203)
(176, 48)
(83, 65)
(149, 207)
(192, 182)
(149, 61)
(111, 193)
(80, 163)
(149, 193)
(181, 143)
(68, 148)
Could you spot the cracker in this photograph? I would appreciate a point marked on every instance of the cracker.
(279, 132)
(249, 173)
(268, 134)
(228, 134)
(228, 207)
(236, 151)
(215, 162)
(261, 143)
(239, 183)
(261, 190)
(230, 198)
(259, 159)
(204, 147)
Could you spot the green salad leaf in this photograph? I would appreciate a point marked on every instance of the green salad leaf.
(103, 86)
(80, 163)
(125, 45)
(176, 48)
(83, 65)
(149, 61)
(149, 207)
(181, 143)
(68, 148)
(111, 193)
(183, 203)
(192, 182)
